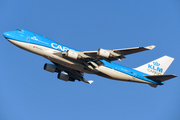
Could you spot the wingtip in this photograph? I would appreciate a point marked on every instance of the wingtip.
(150, 47)
(90, 81)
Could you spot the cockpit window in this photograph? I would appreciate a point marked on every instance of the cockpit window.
(18, 29)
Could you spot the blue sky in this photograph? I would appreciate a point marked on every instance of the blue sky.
(28, 92)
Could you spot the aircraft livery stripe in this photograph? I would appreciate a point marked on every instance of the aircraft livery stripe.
(129, 71)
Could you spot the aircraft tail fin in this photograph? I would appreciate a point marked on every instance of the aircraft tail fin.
(156, 67)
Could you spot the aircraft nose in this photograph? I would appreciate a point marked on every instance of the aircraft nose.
(9, 34)
(6, 34)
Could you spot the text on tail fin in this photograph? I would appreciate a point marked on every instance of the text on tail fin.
(156, 67)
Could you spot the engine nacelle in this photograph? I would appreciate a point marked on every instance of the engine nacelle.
(72, 54)
(50, 67)
(63, 76)
(103, 53)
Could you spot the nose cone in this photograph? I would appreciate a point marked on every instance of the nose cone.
(6, 35)
(9, 35)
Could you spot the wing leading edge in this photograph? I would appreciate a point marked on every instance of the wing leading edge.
(109, 55)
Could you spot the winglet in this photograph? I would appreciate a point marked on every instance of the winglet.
(90, 81)
(150, 47)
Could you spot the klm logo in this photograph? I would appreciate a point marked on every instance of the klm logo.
(155, 68)
(34, 38)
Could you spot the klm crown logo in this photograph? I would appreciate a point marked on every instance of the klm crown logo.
(155, 67)
(156, 63)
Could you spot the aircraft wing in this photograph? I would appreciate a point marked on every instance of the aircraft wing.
(92, 59)
(116, 54)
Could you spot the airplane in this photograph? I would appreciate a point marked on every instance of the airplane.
(71, 64)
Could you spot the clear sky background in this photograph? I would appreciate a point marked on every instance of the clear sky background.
(27, 92)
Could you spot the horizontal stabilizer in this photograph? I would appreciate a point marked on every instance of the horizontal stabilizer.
(160, 78)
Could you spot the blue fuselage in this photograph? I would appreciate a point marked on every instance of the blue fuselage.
(45, 47)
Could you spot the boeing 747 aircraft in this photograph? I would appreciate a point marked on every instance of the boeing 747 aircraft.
(70, 64)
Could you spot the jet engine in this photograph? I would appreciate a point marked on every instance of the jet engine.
(63, 76)
(72, 54)
(49, 67)
(103, 53)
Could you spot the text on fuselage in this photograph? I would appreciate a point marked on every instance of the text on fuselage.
(62, 48)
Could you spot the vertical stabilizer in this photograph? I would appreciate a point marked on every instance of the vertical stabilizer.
(156, 67)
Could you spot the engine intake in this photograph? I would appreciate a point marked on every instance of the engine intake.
(50, 67)
(103, 53)
(72, 54)
(63, 76)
